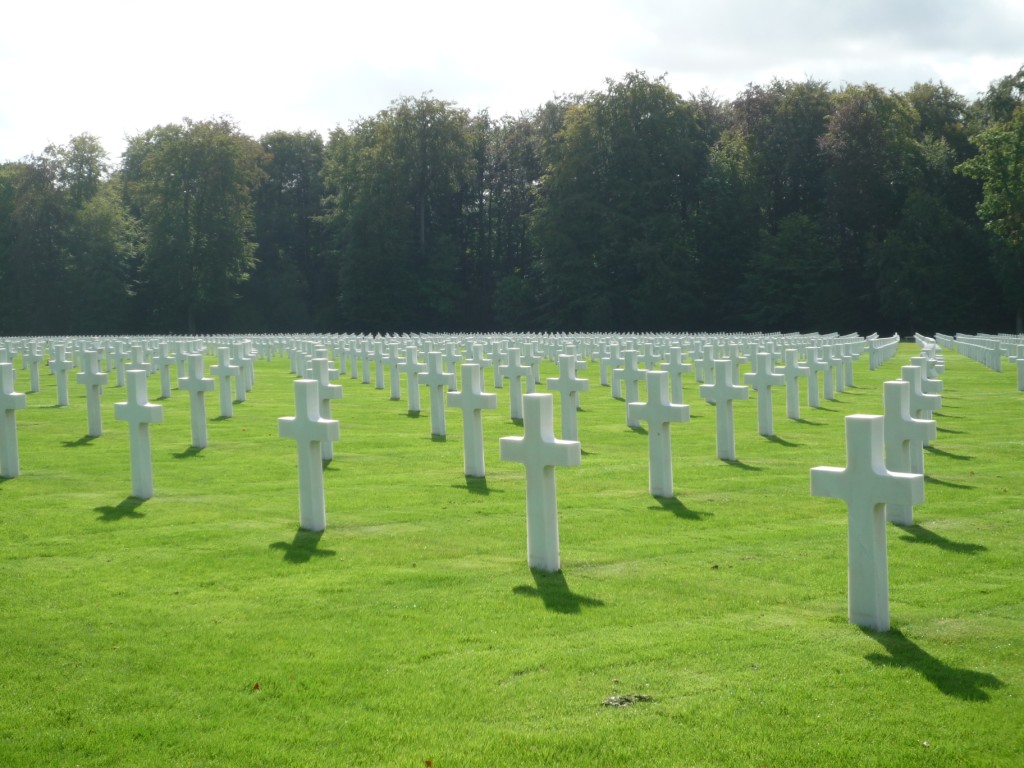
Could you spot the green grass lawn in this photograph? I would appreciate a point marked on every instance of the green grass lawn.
(202, 628)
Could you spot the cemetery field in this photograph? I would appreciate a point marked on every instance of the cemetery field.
(203, 628)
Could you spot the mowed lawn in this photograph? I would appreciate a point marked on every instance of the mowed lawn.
(202, 628)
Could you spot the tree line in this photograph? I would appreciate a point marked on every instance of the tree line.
(793, 207)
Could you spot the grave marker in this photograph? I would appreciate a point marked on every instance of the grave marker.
(659, 413)
(139, 413)
(162, 362)
(676, 366)
(815, 365)
(472, 401)
(391, 362)
(631, 376)
(721, 394)
(541, 453)
(413, 369)
(761, 381)
(32, 357)
(436, 380)
(10, 401)
(309, 430)
(792, 372)
(569, 385)
(197, 386)
(922, 404)
(224, 371)
(60, 365)
(320, 371)
(904, 438)
(515, 371)
(867, 487)
(94, 380)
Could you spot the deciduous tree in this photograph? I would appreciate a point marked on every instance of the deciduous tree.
(191, 185)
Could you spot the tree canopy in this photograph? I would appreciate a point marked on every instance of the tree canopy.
(792, 207)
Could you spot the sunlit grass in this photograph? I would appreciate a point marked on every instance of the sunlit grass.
(202, 627)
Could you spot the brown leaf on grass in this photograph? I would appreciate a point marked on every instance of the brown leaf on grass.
(256, 687)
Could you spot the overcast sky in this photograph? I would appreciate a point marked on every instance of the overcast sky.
(115, 68)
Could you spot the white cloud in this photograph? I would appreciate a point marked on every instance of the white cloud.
(116, 68)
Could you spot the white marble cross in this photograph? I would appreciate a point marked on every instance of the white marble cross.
(94, 380)
(922, 404)
(437, 380)
(376, 356)
(516, 371)
(119, 357)
(472, 401)
(529, 356)
(608, 362)
(224, 371)
(138, 358)
(659, 412)
(162, 362)
(929, 385)
(761, 381)
(451, 357)
(704, 364)
(848, 356)
(828, 382)
(320, 372)
(60, 365)
(904, 438)
(630, 376)
(241, 361)
(32, 357)
(676, 366)
(477, 355)
(197, 385)
(392, 360)
(413, 369)
(792, 372)
(309, 430)
(815, 365)
(721, 394)
(541, 453)
(365, 357)
(10, 401)
(837, 365)
(569, 385)
(867, 487)
(139, 413)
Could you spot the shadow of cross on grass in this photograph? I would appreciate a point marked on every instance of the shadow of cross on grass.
(553, 589)
(963, 684)
(83, 440)
(915, 534)
(303, 547)
(127, 508)
(677, 508)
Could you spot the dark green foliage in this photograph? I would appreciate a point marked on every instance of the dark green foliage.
(399, 182)
(293, 284)
(999, 166)
(792, 207)
(614, 224)
(191, 186)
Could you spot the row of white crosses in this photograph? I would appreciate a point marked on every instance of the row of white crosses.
(136, 410)
(314, 431)
(235, 363)
(538, 449)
